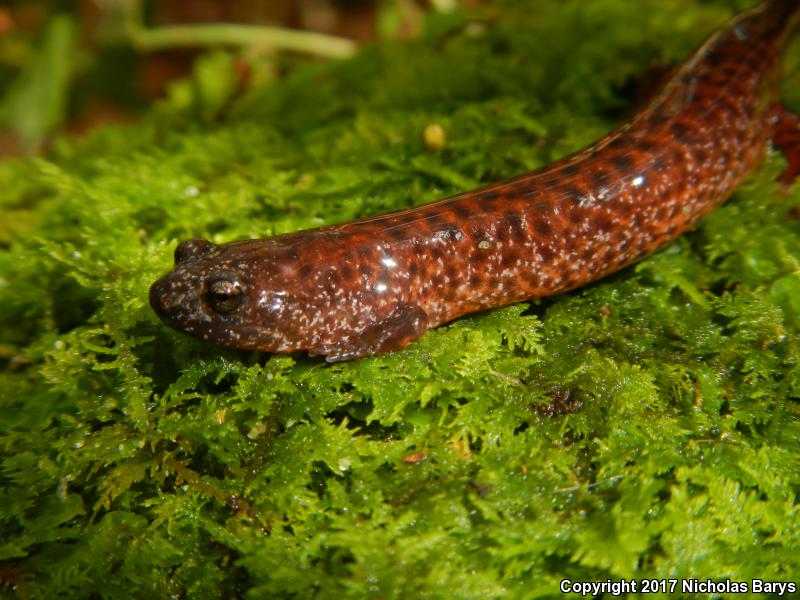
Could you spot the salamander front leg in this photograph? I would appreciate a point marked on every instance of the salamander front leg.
(398, 330)
(786, 136)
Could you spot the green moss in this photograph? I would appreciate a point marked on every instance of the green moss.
(644, 426)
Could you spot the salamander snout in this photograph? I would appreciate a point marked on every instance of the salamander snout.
(175, 298)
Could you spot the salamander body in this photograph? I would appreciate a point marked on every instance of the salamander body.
(376, 284)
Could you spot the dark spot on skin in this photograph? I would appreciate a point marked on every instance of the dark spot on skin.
(365, 270)
(347, 271)
(397, 233)
(600, 179)
(656, 119)
(462, 211)
(624, 163)
(489, 197)
(677, 157)
(452, 273)
(509, 258)
(604, 222)
(575, 215)
(306, 270)
(571, 170)
(618, 143)
(588, 253)
(542, 227)
(436, 252)
(715, 80)
(546, 252)
(700, 155)
(645, 146)
(287, 254)
(412, 268)
(730, 71)
(475, 281)
(749, 60)
(681, 133)
(494, 282)
(715, 58)
(548, 183)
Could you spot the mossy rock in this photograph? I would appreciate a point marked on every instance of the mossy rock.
(643, 426)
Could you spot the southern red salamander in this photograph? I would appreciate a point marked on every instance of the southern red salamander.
(375, 285)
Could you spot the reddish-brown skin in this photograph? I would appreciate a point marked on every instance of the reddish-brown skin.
(374, 285)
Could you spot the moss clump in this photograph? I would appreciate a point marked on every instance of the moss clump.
(644, 426)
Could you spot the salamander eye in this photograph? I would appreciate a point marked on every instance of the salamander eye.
(225, 295)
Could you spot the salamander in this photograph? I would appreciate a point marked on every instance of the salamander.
(376, 284)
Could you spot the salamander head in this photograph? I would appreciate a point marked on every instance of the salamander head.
(216, 293)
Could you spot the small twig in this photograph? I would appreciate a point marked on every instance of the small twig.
(210, 34)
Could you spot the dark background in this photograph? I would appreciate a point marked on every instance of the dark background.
(71, 65)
